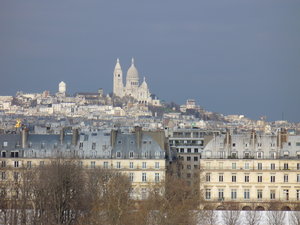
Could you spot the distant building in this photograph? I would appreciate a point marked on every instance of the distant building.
(62, 88)
(132, 86)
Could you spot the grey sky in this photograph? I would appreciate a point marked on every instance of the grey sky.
(232, 56)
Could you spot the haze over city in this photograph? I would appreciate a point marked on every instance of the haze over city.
(233, 57)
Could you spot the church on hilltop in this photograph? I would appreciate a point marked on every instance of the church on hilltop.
(132, 87)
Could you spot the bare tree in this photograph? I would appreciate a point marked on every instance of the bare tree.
(252, 217)
(208, 217)
(176, 205)
(58, 193)
(276, 217)
(231, 217)
(295, 218)
(108, 198)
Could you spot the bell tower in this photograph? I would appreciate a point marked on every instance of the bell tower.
(118, 89)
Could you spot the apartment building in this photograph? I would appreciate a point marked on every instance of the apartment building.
(139, 154)
(250, 183)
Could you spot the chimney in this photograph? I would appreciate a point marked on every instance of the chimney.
(24, 137)
(74, 137)
(62, 136)
(138, 135)
(113, 138)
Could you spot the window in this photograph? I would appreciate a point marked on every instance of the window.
(246, 155)
(3, 175)
(246, 167)
(259, 179)
(188, 158)
(131, 177)
(298, 178)
(130, 154)
(233, 178)
(182, 150)
(207, 194)
(285, 166)
(272, 166)
(221, 177)
(105, 165)
(144, 177)
(156, 165)
(247, 178)
(3, 154)
(196, 150)
(286, 194)
(233, 166)
(118, 154)
(260, 155)
(131, 165)
(272, 179)
(5, 144)
(156, 177)
(272, 194)
(86, 137)
(195, 158)
(233, 144)
(3, 164)
(93, 145)
(28, 164)
(118, 165)
(286, 178)
(234, 155)
(233, 194)
(144, 165)
(298, 166)
(273, 155)
(259, 194)
(246, 194)
(221, 194)
(189, 150)
(93, 164)
(207, 177)
(297, 195)
(259, 166)
(16, 164)
(81, 145)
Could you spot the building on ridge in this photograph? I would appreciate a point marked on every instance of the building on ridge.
(132, 87)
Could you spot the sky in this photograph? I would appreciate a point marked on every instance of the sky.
(232, 57)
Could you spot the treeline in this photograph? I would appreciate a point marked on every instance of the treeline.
(62, 192)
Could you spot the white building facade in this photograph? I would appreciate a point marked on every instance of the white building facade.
(132, 87)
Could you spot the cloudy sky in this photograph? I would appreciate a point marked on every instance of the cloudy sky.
(232, 56)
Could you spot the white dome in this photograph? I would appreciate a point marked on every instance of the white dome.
(132, 73)
(62, 87)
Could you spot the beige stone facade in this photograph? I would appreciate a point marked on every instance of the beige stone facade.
(250, 183)
(143, 173)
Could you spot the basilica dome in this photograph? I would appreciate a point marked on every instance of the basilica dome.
(132, 73)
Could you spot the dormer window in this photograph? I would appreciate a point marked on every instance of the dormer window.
(5, 144)
(119, 142)
(130, 154)
(118, 154)
(145, 154)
